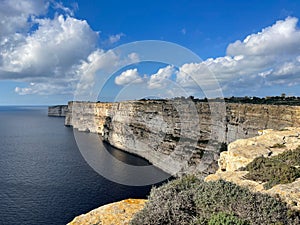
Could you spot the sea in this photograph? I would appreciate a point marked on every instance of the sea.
(44, 178)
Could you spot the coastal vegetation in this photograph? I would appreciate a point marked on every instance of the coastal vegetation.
(280, 169)
(269, 100)
(191, 201)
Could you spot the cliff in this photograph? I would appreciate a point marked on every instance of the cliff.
(58, 110)
(178, 136)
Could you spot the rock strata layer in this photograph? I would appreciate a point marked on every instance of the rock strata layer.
(242, 152)
(58, 110)
(178, 136)
(118, 213)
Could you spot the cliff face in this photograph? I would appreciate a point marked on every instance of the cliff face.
(178, 136)
(58, 110)
(87, 116)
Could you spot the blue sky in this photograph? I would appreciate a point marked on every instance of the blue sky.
(51, 50)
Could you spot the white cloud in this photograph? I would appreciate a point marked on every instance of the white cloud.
(115, 38)
(159, 79)
(14, 15)
(54, 56)
(51, 50)
(271, 55)
(281, 38)
(59, 5)
(130, 76)
(46, 53)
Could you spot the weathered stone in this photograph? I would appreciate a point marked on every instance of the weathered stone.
(118, 213)
(58, 110)
(242, 152)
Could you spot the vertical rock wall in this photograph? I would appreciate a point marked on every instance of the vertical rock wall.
(58, 110)
(178, 136)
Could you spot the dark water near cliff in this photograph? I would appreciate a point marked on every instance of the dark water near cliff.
(43, 176)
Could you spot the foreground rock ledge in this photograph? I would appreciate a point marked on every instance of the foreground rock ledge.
(242, 152)
(118, 213)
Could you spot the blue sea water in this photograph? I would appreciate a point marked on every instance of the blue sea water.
(44, 179)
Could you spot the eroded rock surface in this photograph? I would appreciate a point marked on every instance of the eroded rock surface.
(268, 144)
(118, 213)
(58, 110)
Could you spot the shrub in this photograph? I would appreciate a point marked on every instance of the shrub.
(257, 208)
(191, 201)
(172, 203)
(280, 169)
(226, 219)
(291, 157)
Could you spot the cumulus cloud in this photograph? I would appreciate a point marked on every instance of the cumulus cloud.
(14, 15)
(282, 37)
(52, 55)
(265, 58)
(269, 57)
(57, 55)
(51, 50)
(130, 76)
(160, 79)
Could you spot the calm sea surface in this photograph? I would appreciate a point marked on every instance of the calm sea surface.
(43, 177)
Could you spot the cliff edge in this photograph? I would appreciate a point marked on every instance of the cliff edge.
(271, 144)
(118, 213)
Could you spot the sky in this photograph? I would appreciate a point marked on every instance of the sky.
(53, 51)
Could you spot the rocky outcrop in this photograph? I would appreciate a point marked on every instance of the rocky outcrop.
(178, 136)
(242, 152)
(118, 213)
(58, 110)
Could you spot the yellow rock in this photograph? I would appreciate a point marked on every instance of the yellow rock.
(118, 213)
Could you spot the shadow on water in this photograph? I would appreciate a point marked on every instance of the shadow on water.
(44, 177)
(117, 165)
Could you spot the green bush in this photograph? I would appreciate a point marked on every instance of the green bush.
(172, 203)
(225, 219)
(291, 157)
(257, 208)
(280, 169)
(191, 201)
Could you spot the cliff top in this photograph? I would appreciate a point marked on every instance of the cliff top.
(272, 100)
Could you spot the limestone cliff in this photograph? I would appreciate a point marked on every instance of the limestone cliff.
(118, 213)
(178, 136)
(243, 151)
(58, 110)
